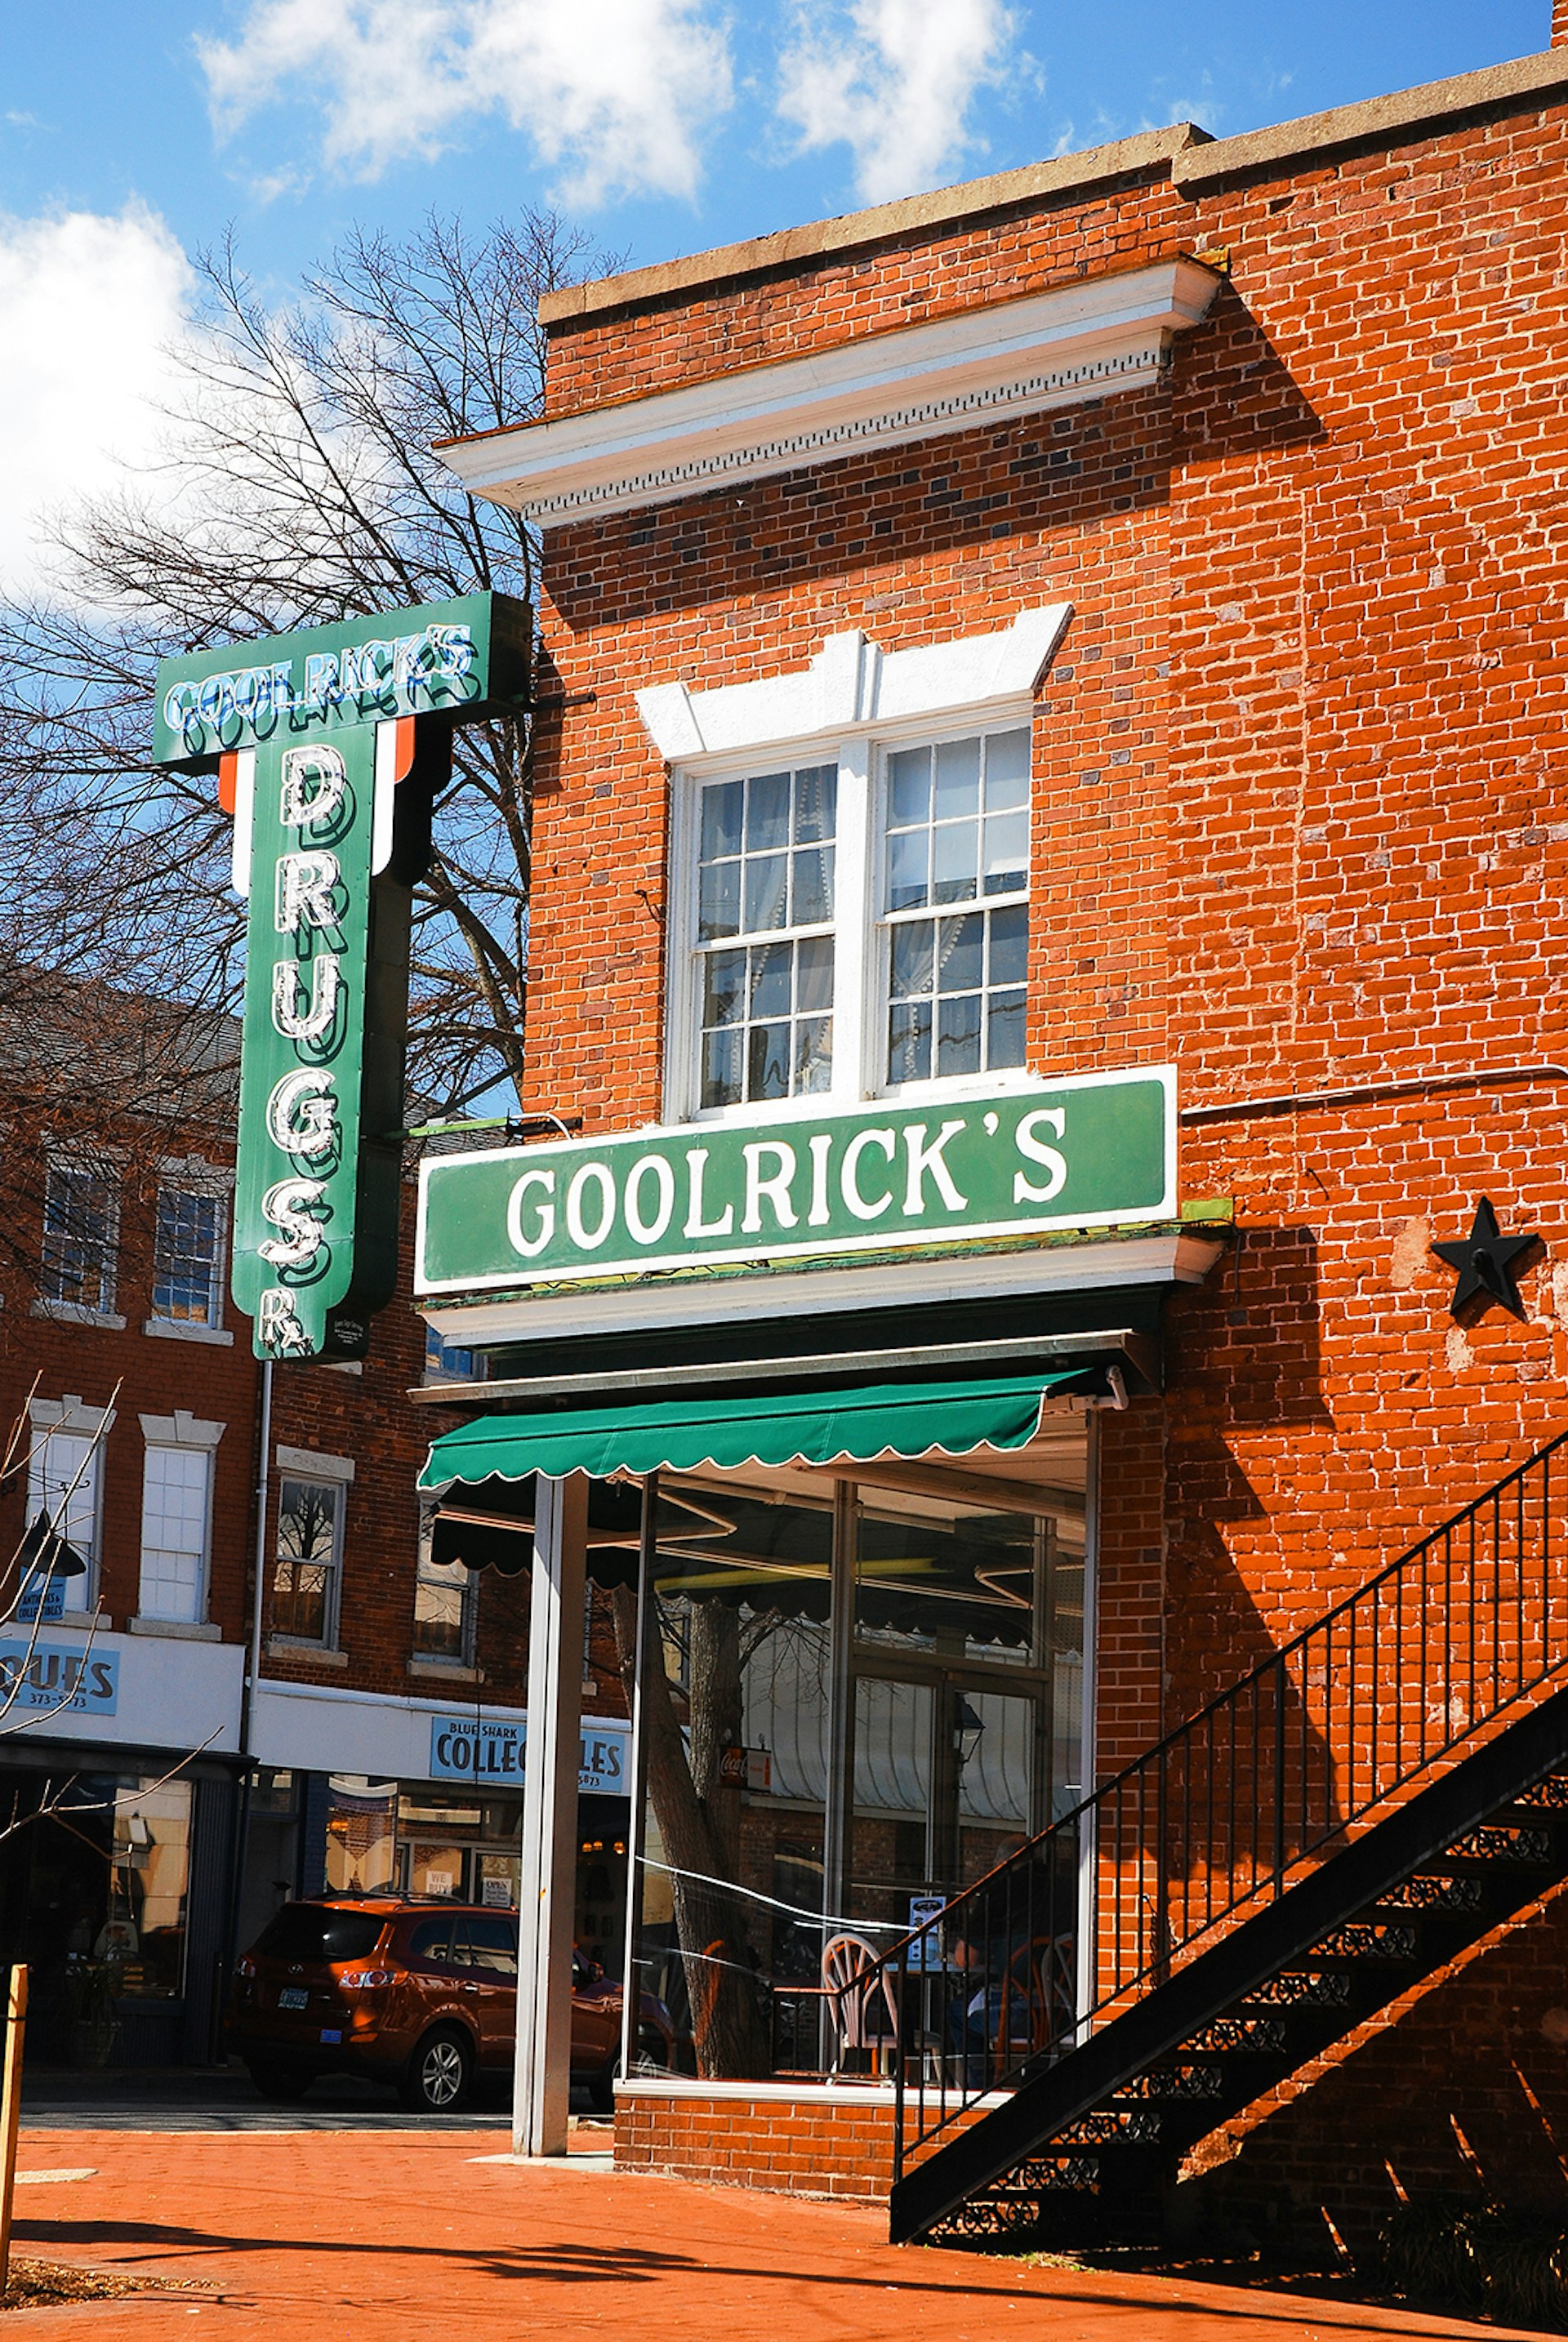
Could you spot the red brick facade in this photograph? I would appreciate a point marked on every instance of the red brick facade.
(1297, 828)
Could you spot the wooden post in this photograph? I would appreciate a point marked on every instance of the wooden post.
(11, 2110)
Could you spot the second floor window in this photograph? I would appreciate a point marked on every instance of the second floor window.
(855, 926)
(176, 1489)
(188, 1257)
(81, 1235)
(65, 1481)
(445, 1597)
(309, 1560)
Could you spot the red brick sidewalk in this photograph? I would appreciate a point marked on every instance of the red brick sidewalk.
(365, 2237)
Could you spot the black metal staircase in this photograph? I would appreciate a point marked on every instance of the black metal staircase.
(1380, 1794)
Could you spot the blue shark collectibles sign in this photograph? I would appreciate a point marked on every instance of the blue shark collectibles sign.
(77, 1681)
(1087, 1151)
(490, 1751)
(330, 747)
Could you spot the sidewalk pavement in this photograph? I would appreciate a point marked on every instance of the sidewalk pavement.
(415, 2235)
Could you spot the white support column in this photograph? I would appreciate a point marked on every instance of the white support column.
(541, 2076)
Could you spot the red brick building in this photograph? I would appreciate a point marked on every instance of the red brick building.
(1222, 481)
(146, 1838)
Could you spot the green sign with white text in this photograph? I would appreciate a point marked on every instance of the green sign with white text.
(330, 746)
(1087, 1151)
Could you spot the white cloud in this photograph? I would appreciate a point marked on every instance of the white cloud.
(88, 306)
(894, 80)
(616, 92)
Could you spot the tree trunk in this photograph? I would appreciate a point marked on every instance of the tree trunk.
(699, 1816)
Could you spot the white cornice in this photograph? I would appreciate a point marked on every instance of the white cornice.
(851, 684)
(1014, 357)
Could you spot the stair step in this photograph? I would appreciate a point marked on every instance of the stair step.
(1426, 1892)
(1113, 2126)
(1500, 1842)
(1299, 1988)
(1363, 1940)
(1171, 2084)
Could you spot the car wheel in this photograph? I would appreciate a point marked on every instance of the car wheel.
(652, 2059)
(282, 2084)
(439, 2076)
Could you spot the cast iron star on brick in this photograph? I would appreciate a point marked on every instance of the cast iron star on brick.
(1482, 1259)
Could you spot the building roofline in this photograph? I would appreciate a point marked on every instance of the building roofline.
(1407, 114)
(1194, 159)
(1149, 151)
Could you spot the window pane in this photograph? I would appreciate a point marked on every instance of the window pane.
(726, 973)
(814, 1055)
(958, 1035)
(768, 1061)
(1006, 770)
(299, 1601)
(722, 1069)
(150, 1880)
(813, 885)
(771, 972)
(718, 900)
(766, 886)
(957, 779)
(816, 802)
(1010, 945)
(721, 820)
(1005, 1034)
(909, 786)
(813, 973)
(908, 882)
(954, 859)
(63, 1481)
(1006, 851)
(959, 951)
(767, 811)
(911, 956)
(909, 1041)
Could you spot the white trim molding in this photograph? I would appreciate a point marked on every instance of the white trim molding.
(984, 365)
(180, 1430)
(852, 685)
(309, 1466)
(69, 1415)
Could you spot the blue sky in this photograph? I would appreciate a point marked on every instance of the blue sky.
(132, 134)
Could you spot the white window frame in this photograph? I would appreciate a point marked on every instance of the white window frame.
(191, 1176)
(324, 1471)
(855, 704)
(190, 1434)
(69, 1418)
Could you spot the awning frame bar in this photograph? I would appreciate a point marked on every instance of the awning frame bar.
(1140, 1350)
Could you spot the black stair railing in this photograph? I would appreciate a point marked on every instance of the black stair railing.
(1222, 1814)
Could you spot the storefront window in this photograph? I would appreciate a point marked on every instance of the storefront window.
(867, 1699)
(149, 1876)
(361, 1835)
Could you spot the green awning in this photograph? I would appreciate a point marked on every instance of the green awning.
(906, 1419)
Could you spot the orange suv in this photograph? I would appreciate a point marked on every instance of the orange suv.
(420, 1995)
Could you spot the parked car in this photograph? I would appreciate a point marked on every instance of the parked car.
(420, 1995)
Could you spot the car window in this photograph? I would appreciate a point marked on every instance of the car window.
(314, 1931)
(493, 1944)
(432, 1941)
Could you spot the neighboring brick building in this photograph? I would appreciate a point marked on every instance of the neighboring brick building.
(1281, 417)
(133, 1412)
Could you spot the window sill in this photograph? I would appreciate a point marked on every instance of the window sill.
(183, 1631)
(447, 1670)
(310, 1655)
(176, 1329)
(76, 1313)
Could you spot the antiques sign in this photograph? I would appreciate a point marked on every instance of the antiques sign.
(1083, 1152)
(330, 747)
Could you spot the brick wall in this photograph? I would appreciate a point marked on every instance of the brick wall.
(1297, 826)
(804, 2146)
